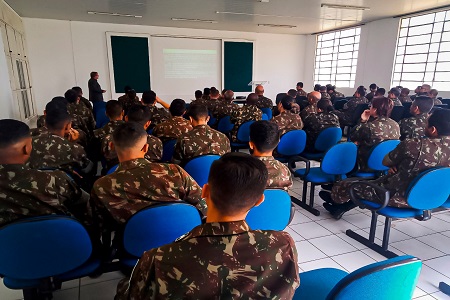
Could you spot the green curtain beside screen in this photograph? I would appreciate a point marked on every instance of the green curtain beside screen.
(238, 66)
(130, 58)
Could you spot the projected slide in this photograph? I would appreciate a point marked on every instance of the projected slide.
(189, 63)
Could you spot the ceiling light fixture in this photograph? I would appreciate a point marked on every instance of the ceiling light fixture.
(277, 25)
(112, 14)
(195, 20)
(343, 6)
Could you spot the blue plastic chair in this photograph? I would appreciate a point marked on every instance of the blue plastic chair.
(40, 252)
(375, 160)
(267, 111)
(337, 162)
(429, 190)
(225, 125)
(112, 170)
(273, 214)
(446, 204)
(265, 117)
(101, 119)
(199, 167)
(327, 138)
(394, 278)
(156, 226)
(243, 137)
(168, 150)
(291, 143)
(212, 120)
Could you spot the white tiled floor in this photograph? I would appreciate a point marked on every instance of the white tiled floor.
(321, 243)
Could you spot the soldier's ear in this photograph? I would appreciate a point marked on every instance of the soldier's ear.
(147, 124)
(433, 131)
(126, 118)
(205, 191)
(260, 200)
(145, 148)
(111, 145)
(251, 145)
(207, 119)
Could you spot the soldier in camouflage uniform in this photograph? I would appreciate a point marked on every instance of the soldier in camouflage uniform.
(221, 259)
(159, 114)
(316, 123)
(324, 93)
(264, 138)
(263, 102)
(300, 91)
(331, 89)
(225, 107)
(414, 127)
(370, 132)
(433, 95)
(176, 126)
(83, 100)
(138, 183)
(114, 112)
(346, 114)
(313, 98)
(409, 159)
(129, 99)
(202, 139)
(393, 95)
(25, 192)
(76, 108)
(287, 120)
(246, 113)
(404, 96)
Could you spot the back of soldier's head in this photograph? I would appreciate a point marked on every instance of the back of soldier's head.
(425, 104)
(127, 88)
(12, 132)
(198, 94)
(264, 135)
(215, 93)
(383, 106)
(323, 89)
(380, 92)
(113, 109)
(61, 105)
(198, 112)
(433, 92)
(317, 87)
(78, 90)
(373, 86)
(206, 91)
(60, 101)
(252, 99)
(71, 96)
(177, 107)
(300, 84)
(286, 102)
(440, 119)
(228, 96)
(57, 119)
(292, 93)
(129, 135)
(236, 182)
(139, 113)
(131, 94)
(395, 92)
(405, 91)
(361, 90)
(148, 97)
(325, 105)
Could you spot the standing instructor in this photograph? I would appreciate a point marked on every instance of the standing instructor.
(95, 91)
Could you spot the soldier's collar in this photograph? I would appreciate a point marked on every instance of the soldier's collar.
(13, 167)
(220, 228)
(132, 163)
(265, 157)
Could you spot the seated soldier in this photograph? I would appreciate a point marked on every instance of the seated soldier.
(137, 182)
(316, 123)
(224, 258)
(380, 93)
(139, 114)
(75, 107)
(176, 126)
(159, 114)
(248, 112)
(198, 95)
(264, 138)
(404, 95)
(433, 95)
(114, 112)
(25, 192)
(129, 99)
(346, 114)
(202, 139)
(414, 127)
(324, 93)
(300, 91)
(409, 159)
(313, 98)
(225, 106)
(263, 102)
(331, 89)
(83, 100)
(373, 89)
(288, 119)
(393, 94)
(214, 98)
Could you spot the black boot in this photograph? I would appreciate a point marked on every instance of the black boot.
(342, 209)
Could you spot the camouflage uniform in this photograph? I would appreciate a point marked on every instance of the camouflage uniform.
(127, 102)
(242, 115)
(368, 134)
(413, 127)
(287, 121)
(404, 99)
(224, 108)
(86, 103)
(137, 184)
(310, 109)
(159, 115)
(109, 128)
(223, 260)
(437, 101)
(25, 192)
(346, 114)
(81, 110)
(77, 123)
(172, 128)
(279, 174)
(411, 157)
(397, 102)
(325, 96)
(264, 102)
(200, 141)
(40, 122)
(315, 124)
(302, 93)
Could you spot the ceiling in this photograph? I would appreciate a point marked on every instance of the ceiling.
(241, 15)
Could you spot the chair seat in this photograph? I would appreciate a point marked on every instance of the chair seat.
(317, 284)
(364, 174)
(87, 268)
(19, 284)
(395, 212)
(129, 261)
(316, 175)
(446, 204)
(239, 145)
(313, 156)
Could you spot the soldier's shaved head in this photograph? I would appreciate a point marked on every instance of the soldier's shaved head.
(440, 119)
(259, 90)
(177, 107)
(15, 142)
(264, 136)
(252, 98)
(229, 95)
(129, 135)
(314, 97)
(139, 113)
(198, 112)
(114, 109)
(57, 119)
(424, 104)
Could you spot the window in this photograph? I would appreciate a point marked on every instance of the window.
(336, 57)
(423, 51)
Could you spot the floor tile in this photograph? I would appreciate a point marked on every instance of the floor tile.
(445, 216)
(426, 297)
(353, 261)
(416, 248)
(359, 220)
(413, 229)
(395, 235)
(446, 233)
(418, 293)
(320, 263)
(429, 280)
(295, 236)
(353, 242)
(332, 245)
(99, 291)
(438, 241)
(436, 224)
(310, 230)
(8, 294)
(336, 226)
(440, 264)
(104, 277)
(307, 252)
(440, 296)
(373, 254)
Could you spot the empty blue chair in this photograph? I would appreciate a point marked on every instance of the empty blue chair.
(156, 226)
(212, 120)
(337, 162)
(291, 143)
(225, 125)
(446, 204)
(265, 117)
(243, 137)
(375, 160)
(327, 138)
(267, 111)
(273, 214)
(101, 119)
(199, 167)
(112, 170)
(40, 252)
(394, 278)
(168, 149)
(428, 191)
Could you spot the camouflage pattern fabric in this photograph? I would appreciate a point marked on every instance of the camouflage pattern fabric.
(77, 123)
(437, 101)
(172, 128)
(287, 121)
(397, 102)
(264, 102)
(242, 115)
(109, 128)
(85, 113)
(40, 122)
(325, 96)
(159, 115)
(346, 114)
(82, 140)
(139, 183)
(310, 109)
(223, 260)
(127, 102)
(201, 140)
(86, 103)
(224, 108)
(413, 127)
(279, 174)
(368, 134)
(337, 94)
(302, 93)
(315, 124)
(411, 157)
(404, 99)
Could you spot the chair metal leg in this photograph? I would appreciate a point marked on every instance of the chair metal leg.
(445, 288)
(387, 232)
(373, 227)
(305, 206)
(311, 194)
(305, 190)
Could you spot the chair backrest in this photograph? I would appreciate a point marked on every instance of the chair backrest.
(265, 117)
(397, 113)
(158, 225)
(42, 247)
(225, 125)
(378, 152)
(112, 170)
(267, 111)
(340, 159)
(243, 133)
(273, 214)
(430, 189)
(339, 104)
(360, 108)
(212, 120)
(406, 108)
(328, 138)
(292, 143)
(168, 149)
(100, 114)
(199, 167)
(395, 278)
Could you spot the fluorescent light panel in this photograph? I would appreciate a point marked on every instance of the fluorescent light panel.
(277, 25)
(112, 14)
(343, 6)
(195, 20)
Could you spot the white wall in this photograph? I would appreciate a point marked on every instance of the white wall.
(63, 53)
(6, 96)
